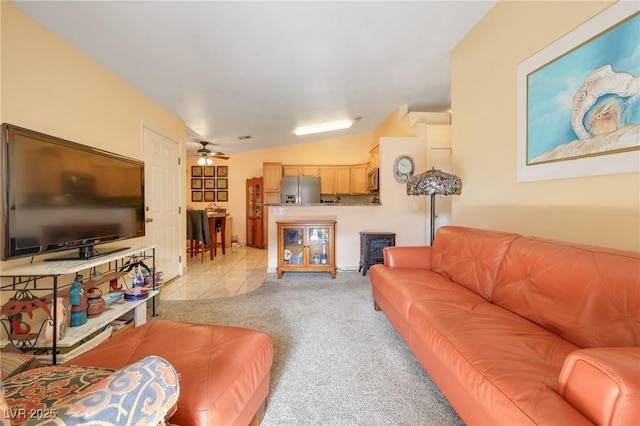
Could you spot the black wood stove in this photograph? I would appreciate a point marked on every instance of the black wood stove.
(371, 245)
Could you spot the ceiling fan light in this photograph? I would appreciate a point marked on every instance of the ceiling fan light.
(202, 161)
(209, 161)
(327, 127)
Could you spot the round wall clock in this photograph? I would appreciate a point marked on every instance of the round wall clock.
(403, 168)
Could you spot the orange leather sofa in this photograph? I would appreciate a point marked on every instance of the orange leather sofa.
(224, 371)
(518, 330)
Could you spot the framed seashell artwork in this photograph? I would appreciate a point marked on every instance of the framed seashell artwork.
(578, 101)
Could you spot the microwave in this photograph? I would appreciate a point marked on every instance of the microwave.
(374, 180)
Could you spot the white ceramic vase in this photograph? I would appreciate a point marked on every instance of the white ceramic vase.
(62, 319)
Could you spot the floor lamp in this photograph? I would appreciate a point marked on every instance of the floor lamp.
(434, 182)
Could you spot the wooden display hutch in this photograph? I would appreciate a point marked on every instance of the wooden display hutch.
(255, 216)
(306, 246)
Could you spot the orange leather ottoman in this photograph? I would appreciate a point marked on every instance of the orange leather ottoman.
(224, 371)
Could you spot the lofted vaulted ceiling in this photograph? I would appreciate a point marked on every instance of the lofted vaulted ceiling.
(232, 69)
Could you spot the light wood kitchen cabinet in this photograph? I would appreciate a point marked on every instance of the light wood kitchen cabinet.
(272, 182)
(289, 170)
(334, 180)
(359, 179)
(343, 180)
(272, 176)
(374, 157)
(327, 180)
(306, 246)
(309, 171)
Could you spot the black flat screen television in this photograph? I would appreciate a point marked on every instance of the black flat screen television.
(61, 195)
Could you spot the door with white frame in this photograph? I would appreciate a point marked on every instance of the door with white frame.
(440, 159)
(162, 201)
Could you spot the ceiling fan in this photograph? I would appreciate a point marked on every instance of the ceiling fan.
(207, 156)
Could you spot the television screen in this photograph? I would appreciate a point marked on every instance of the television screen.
(60, 195)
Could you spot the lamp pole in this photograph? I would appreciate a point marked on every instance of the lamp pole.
(433, 217)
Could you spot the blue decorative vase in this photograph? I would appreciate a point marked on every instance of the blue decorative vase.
(79, 303)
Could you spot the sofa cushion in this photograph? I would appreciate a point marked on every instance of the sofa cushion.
(13, 363)
(588, 295)
(40, 389)
(402, 287)
(395, 289)
(470, 257)
(508, 363)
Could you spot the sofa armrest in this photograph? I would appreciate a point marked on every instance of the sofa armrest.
(409, 257)
(144, 392)
(603, 384)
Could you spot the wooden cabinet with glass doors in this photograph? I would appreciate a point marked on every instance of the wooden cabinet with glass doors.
(255, 217)
(306, 246)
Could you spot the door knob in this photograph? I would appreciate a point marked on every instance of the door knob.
(149, 219)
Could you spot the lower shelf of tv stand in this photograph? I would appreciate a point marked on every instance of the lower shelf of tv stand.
(99, 327)
(115, 311)
(94, 326)
(47, 358)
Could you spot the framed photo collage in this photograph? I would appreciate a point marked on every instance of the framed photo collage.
(209, 184)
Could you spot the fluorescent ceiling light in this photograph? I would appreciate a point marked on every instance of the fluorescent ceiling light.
(336, 125)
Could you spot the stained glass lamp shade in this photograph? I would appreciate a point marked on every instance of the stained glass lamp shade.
(434, 182)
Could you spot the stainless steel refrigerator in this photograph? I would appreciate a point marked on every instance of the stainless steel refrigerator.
(301, 189)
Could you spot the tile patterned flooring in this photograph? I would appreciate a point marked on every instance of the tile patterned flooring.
(240, 270)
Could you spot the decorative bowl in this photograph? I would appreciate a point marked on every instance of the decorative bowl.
(136, 293)
(113, 297)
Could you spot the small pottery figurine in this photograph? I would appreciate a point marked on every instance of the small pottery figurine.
(96, 302)
(79, 303)
(62, 320)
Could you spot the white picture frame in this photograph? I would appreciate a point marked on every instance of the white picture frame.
(606, 162)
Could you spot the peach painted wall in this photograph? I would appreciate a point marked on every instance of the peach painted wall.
(600, 210)
(394, 125)
(49, 86)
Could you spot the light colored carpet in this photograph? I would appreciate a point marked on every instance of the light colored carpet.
(336, 360)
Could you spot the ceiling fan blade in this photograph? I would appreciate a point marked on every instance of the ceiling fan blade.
(206, 152)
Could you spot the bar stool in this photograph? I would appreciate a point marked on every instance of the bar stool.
(198, 236)
(217, 224)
